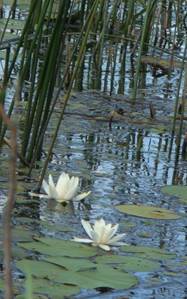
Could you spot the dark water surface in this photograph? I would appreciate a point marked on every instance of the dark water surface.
(124, 163)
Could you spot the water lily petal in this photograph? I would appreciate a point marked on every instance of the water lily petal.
(51, 182)
(109, 226)
(45, 186)
(113, 230)
(106, 233)
(72, 188)
(100, 236)
(82, 195)
(87, 228)
(53, 193)
(38, 195)
(104, 247)
(74, 181)
(81, 240)
(99, 225)
(62, 184)
(116, 239)
(71, 182)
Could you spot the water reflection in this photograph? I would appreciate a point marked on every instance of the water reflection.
(127, 164)
(138, 153)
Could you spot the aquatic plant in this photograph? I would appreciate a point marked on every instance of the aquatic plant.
(101, 234)
(65, 190)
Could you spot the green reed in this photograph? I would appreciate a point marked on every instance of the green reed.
(75, 71)
(118, 31)
(143, 43)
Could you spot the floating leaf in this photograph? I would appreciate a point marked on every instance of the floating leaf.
(149, 252)
(148, 212)
(51, 289)
(129, 263)
(1, 284)
(71, 263)
(56, 228)
(18, 252)
(101, 276)
(179, 191)
(56, 247)
(35, 296)
(39, 268)
(19, 233)
(171, 273)
(105, 276)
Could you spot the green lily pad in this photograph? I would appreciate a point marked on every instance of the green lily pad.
(149, 252)
(56, 228)
(53, 290)
(46, 288)
(105, 276)
(101, 276)
(56, 247)
(148, 212)
(176, 190)
(18, 252)
(71, 263)
(129, 263)
(1, 284)
(34, 296)
(19, 233)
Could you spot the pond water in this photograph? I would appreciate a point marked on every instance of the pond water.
(124, 163)
(122, 159)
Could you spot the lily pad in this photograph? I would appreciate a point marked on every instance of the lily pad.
(129, 263)
(148, 212)
(176, 190)
(18, 252)
(56, 247)
(56, 228)
(19, 233)
(35, 296)
(44, 288)
(105, 276)
(71, 263)
(1, 284)
(149, 252)
(101, 276)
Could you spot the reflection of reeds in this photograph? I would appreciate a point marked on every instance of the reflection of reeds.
(184, 97)
(179, 108)
(53, 47)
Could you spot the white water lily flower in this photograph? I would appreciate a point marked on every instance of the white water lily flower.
(66, 189)
(101, 234)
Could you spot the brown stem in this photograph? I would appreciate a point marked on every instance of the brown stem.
(9, 207)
